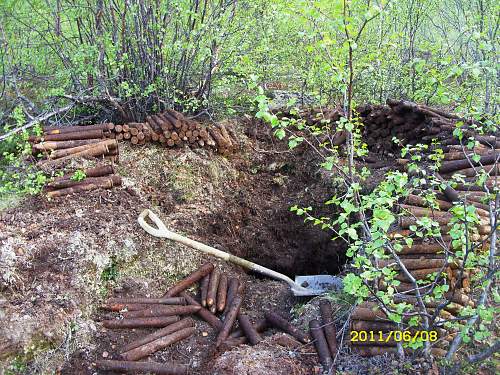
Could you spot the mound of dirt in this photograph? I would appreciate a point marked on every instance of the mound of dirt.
(279, 354)
(61, 258)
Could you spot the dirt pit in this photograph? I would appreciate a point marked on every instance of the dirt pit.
(61, 259)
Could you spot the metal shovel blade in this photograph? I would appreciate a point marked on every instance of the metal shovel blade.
(315, 285)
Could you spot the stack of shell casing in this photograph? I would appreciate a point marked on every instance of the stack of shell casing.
(431, 257)
(461, 163)
(100, 177)
(411, 123)
(219, 295)
(172, 129)
(315, 120)
(59, 144)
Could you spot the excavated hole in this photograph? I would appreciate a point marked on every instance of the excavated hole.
(255, 221)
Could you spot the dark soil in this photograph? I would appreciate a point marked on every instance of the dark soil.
(255, 221)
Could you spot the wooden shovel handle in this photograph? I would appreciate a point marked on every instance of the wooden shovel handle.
(163, 232)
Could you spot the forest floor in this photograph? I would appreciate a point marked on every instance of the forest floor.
(62, 258)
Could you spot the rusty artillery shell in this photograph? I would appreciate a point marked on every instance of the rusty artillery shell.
(279, 322)
(325, 309)
(260, 326)
(204, 289)
(320, 344)
(98, 181)
(153, 301)
(455, 165)
(106, 183)
(155, 322)
(158, 344)
(369, 314)
(232, 291)
(203, 313)
(76, 128)
(60, 145)
(250, 331)
(190, 280)
(81, 134)
(168, 368)
(229, 320)
(97, 149)
(162, 311)
(222, 293)
(102, 170)
(212, 288)
(112, 306)
(183, 323)
(362, 325)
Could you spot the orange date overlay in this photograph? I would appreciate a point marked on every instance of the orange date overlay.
(396, 336)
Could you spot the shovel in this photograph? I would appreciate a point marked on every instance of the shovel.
(302, 286)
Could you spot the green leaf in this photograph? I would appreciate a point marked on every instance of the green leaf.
(280, 134)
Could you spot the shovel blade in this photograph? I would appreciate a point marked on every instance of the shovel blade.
(315, 285)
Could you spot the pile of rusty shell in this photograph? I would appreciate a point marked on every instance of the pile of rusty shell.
(174, 327)
(92, 183)
(158, 344)
(190, 280)
(277, 321)
(162, 310)
(412, 123)
(150, 322)
(143, 367)
(203, 312)
(95, 150)
(169, 128)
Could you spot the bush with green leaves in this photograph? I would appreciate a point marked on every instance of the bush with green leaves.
(366, 220)
(18, 174)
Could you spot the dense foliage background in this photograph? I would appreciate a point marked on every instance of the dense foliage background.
(128, 57)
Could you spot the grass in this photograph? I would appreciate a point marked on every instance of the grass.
(184, 181)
